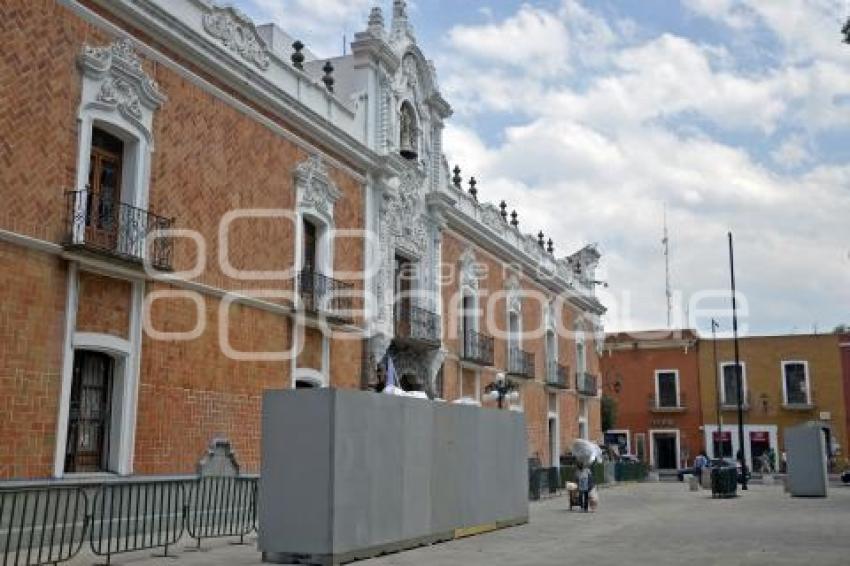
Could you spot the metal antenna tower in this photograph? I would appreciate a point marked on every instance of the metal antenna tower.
(668, 293)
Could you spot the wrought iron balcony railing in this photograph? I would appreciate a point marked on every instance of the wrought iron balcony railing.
(321, 294)
(103, 224)
(587, 384)
(520, 363)
(667, 404)
(417, 326)
(557, 375)
(477, 348)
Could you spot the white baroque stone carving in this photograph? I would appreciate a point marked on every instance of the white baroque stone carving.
(514, 294)
(122, 94)
(403, 215)
(468, 269)
(237, 32)
(121, 82)
(315, 188)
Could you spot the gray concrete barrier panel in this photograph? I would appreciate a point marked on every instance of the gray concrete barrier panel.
(351, 474)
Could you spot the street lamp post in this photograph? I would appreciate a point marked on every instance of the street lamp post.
(501, 389)
(742, 455)
(719, 444)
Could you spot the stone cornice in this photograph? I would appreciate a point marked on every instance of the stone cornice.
(365, 44)
(488, 239)
(245, 77)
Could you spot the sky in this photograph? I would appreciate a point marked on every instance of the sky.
(593, 117)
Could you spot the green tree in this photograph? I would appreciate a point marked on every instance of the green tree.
(609, 412)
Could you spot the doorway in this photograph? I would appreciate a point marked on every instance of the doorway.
(89, 415)
(665, 450)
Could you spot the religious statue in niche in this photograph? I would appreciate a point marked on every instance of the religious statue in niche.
(408, 143)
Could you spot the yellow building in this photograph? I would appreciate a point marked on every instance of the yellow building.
(787, 380)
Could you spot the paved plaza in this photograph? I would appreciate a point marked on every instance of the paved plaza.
(650, 523)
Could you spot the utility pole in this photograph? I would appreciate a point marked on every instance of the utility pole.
(738, 377)
(667, 292)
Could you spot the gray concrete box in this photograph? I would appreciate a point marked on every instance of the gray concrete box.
(351, 474)
(807, 467)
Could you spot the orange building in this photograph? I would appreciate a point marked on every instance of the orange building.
(666, 385)
(786, 381)
(654, 378)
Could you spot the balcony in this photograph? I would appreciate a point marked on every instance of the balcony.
(557, 375)
(520, 363)
(417, 327)
(477, 348)
(323, 295)
(665, 405)
(587, 384)
(105, 226)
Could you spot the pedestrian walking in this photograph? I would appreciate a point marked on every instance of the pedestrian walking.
(584, 479)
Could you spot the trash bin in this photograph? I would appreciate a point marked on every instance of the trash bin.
(705, 478)
(693, 482)
(724, 481)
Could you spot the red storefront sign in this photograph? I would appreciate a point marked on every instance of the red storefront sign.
(759, 436)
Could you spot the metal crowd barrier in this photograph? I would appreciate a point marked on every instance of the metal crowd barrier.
(132, 516)
(48, 524)
(543, 481)
(221, 507)
(42, 525)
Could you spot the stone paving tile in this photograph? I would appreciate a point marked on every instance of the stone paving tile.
(636, 524)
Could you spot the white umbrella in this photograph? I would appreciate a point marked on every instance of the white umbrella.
(586, 451)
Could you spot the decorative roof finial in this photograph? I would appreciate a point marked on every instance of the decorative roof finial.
(514, 221)
(457, 179)
(551, 246)
(540, 241)
(376, 22)
(846, 31)
(503, 206)
(472, 190)
(297, 56)
(328, 79)
(399, 9)
(401, 26)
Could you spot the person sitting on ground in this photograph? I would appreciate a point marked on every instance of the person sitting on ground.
(584, 479)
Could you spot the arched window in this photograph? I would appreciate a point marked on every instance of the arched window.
(408, 132)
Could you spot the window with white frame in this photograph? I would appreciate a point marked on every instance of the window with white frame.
(795, 382)
(729, 383)
(581, 354)
(667, 388)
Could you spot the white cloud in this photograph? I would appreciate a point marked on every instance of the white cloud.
(607, 126)
(533, 39)
(793, 152)
(805, 28)
(320, 24)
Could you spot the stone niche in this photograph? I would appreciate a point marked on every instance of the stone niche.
(351, 474)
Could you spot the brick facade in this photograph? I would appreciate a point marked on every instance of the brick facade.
(534, 393)
(213, 149)
(30, 359)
